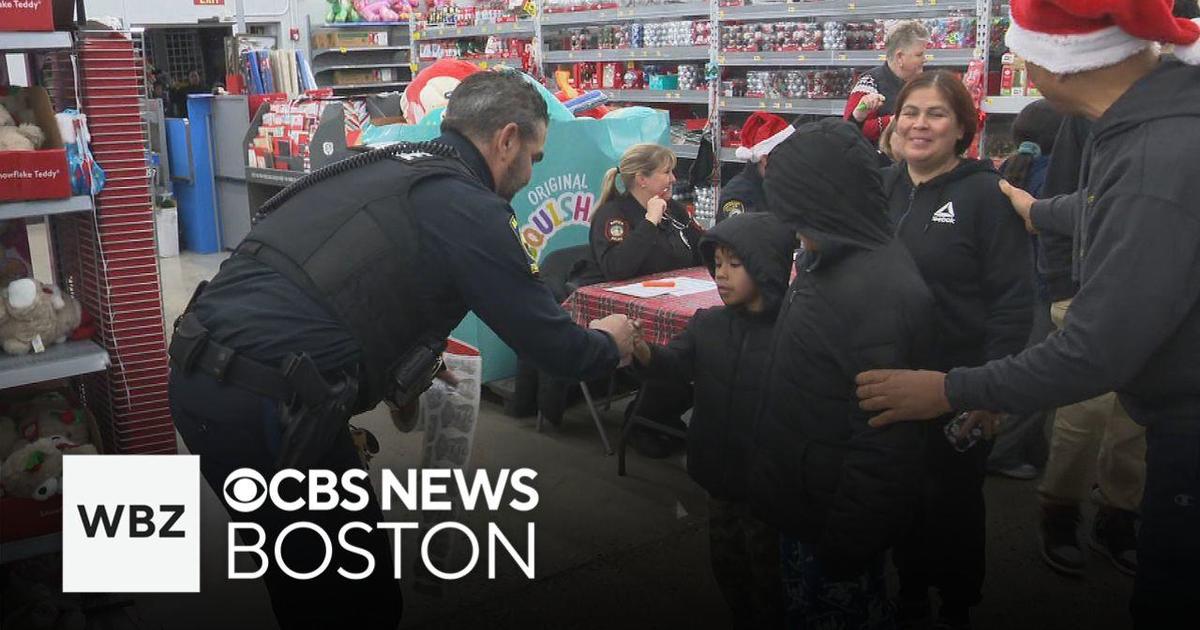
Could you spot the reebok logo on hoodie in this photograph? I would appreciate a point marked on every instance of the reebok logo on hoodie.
(945, 214)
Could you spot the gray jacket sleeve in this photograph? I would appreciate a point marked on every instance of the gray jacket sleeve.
(1141, 279)
(1058, 214)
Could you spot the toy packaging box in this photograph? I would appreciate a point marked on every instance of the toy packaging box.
(38, 174)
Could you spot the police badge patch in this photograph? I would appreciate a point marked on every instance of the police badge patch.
(615, 231)
(530, 253)
(733, 208)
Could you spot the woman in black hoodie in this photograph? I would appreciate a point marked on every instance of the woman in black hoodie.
(974, 254)
(836, 488)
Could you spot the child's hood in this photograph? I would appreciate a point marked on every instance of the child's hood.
(765, 246)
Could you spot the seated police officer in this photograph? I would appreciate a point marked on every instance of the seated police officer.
(343, 295)
(761, 133)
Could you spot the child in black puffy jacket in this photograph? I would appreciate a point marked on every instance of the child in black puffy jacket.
(722, 352)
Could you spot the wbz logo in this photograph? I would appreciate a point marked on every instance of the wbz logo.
(131, 524)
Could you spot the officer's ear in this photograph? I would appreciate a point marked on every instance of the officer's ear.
(508, 139)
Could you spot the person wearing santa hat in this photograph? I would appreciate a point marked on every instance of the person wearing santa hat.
(744, 193)
(1134, 325)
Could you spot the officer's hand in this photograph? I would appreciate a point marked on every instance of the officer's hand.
(1022, 202)
(655, 209)
(622, 330)
(868, 104)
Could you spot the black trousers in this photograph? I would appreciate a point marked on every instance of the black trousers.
(1168, 576)
(946, 546)
(230, 428)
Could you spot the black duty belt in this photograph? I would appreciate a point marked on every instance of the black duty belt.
(192, 350)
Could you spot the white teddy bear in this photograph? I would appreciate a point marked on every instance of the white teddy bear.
(18, 131)
(33, 314)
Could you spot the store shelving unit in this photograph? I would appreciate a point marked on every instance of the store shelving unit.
(694, 97)
(44, 207)
(395, 56)
(1007, 104)
(63, 360)
(848, 10)
(794, 106)
(664, 54)
(29, 42)
(519, 28)
(103, 252)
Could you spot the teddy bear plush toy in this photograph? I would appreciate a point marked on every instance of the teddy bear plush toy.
(49, 415)
(34, 471)
(34, 315)
(18, 130)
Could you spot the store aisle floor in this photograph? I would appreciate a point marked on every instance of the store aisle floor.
(611, 552)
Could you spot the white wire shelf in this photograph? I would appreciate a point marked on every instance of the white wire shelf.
(44, 207)
(58, 361)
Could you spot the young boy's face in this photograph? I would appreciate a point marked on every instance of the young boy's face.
(734, 283)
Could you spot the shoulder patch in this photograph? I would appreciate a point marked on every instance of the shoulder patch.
(733, 208)
(615, 230)
(530, 254)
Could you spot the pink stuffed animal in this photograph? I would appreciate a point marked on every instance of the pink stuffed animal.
(376, 10)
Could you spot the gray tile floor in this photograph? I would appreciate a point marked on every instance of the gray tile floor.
(614, 552)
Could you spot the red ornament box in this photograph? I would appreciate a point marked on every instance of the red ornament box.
(40, 174)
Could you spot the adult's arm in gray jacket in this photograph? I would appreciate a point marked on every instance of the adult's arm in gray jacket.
(1141, 282)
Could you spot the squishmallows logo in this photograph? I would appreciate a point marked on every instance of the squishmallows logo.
(558, 202)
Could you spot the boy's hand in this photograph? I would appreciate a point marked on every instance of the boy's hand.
(641, 351)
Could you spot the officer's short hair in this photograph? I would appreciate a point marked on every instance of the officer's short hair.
(487, 101)
(904, 35)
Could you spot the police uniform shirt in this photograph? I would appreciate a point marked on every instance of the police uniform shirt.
(473, 260)
(626, 245)
(743, 193)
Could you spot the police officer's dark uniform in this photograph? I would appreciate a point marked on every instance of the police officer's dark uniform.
(626, 245)
(743, 193)
(359, 270)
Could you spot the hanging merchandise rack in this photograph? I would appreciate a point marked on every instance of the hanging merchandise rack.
(110, 255)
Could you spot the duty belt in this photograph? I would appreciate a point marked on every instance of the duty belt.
(297, 379)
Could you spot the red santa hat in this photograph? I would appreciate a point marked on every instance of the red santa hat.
(1065, 36)
(761, 133)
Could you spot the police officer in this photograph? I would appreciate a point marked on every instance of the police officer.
(744, 193)
(343, 295)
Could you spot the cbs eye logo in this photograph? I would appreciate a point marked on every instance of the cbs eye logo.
(245, 490)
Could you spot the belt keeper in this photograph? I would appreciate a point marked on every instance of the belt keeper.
(221, 360)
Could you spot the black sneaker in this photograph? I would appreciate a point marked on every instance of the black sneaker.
(1114, 537)
(1058, 539)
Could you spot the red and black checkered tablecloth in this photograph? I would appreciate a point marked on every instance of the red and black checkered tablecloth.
(662, 317)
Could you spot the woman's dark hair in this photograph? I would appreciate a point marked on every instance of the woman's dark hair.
(1033, 132)
(955, 93)
(1186, 9)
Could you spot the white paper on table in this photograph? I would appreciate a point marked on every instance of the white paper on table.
(689, 286)
(637, 290)
(682, 287)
